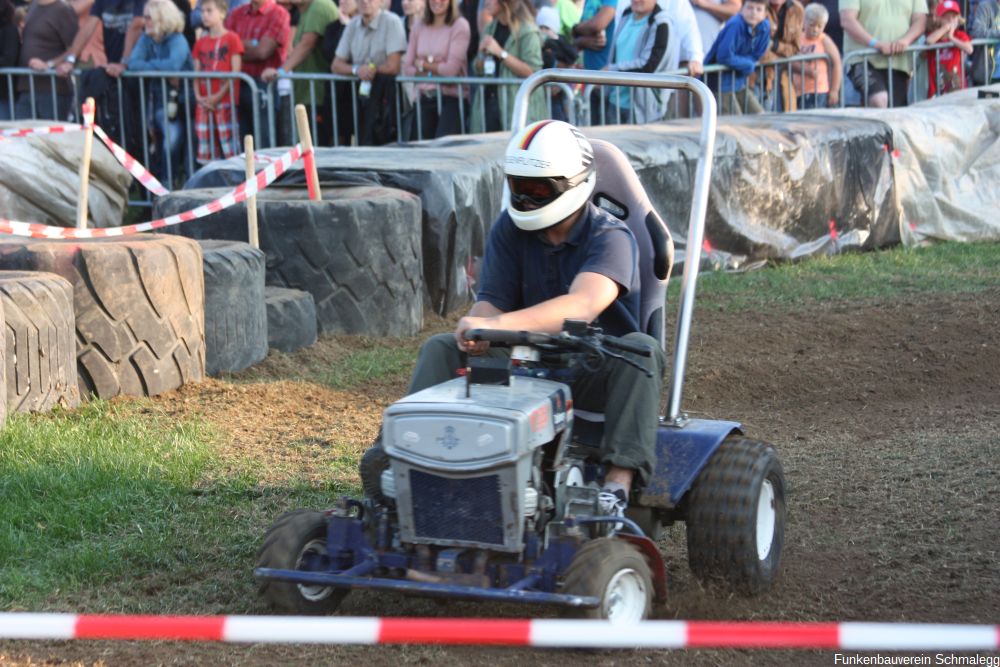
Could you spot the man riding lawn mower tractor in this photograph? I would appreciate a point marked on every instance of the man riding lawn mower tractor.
(543, 473)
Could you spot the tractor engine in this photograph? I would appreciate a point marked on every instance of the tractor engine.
(465, 460)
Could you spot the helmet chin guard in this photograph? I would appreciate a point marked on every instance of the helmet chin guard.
(552, 158)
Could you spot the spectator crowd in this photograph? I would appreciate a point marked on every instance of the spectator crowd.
(448, 50)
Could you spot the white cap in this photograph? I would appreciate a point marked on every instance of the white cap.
(548, 17)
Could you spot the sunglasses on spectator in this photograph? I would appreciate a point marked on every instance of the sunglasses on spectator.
(527, 193)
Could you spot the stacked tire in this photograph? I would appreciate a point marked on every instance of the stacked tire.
(40, 342)
(235, 313)
(139, 308)
(358, 251)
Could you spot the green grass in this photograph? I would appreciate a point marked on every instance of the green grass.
(102, 504)
(366, 365)
(890, 274)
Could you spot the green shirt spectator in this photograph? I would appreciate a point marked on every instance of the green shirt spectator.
(306, 56)
(887, 23)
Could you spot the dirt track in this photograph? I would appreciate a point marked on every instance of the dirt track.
(886, 417)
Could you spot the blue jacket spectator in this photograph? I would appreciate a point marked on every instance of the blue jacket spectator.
(739, 46)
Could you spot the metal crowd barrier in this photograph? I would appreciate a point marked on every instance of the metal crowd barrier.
(130, 103)
(917, 67)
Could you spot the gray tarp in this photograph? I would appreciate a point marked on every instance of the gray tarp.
(778, 182)
(40, 181)
(946, 167)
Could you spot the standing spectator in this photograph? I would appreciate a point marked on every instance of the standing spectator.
(306, 57)
(557, 51)
(833, 28)
(642, 43)
(163, 48)
(986, 25)
(569, 16)
(121, 24)
(264, 27)
(412, 11)
(817, 83)
(889, 28)
(10, 44)
(437, 47)
(372, 49)
(89, 52)
(592, 35)
(946, 29)
(711, 15)
(511, 47)
(219, 50)
(786, 18)
(48, 35)
(740, 46)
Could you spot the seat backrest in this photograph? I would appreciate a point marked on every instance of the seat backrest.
(620, 193)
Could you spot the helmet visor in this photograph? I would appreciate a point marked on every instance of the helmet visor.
(528, 193)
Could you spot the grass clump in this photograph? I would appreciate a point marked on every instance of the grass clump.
(889, 274)
(114, 507)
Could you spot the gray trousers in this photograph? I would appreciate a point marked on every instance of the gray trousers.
(629, 400)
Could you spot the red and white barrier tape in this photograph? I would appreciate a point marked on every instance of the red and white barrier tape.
(539, 633)
(133, 166)
(47, 129)
(241, 192)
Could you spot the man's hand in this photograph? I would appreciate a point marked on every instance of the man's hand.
(465, 324)
(833, 99)
(695, 68)
(37, 64)
(64, 68)
(366, 72)
(269, 75)
(114, 69)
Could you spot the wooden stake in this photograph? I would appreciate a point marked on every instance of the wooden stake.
(251, 201)
(309, 160)
(88, 149)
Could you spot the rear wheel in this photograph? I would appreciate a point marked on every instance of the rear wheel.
(616, 573)
(297, 541)
(736, 517)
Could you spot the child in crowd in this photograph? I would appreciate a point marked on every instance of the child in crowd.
(739, 45)
(817, 82)
(946, 28)
(219, 50)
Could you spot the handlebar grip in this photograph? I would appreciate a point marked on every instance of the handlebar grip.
(634, 348)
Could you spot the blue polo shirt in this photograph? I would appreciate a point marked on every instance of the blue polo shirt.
(521, 269)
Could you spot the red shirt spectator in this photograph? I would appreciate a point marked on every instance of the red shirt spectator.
(264, 27)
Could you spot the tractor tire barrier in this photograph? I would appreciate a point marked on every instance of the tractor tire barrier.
(357, 251)
(291, 318)
(139, 307)
(501, 632)
(235, 314)
(40, 341)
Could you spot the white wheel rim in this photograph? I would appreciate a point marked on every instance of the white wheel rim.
(625, 597)
(766, 518)
(315, 592)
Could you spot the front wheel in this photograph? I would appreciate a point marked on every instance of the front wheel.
(297, 541)
(613, 571)
(736, 517)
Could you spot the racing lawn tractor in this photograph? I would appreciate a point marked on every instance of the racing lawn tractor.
(488, 485)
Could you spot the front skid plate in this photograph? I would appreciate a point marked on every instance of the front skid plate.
(426, 588)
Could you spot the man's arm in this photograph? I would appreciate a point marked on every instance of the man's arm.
(295, 58)
(723, 11)
(590, 34)
(588, 296)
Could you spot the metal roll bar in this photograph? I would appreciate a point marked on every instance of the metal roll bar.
(699, 195)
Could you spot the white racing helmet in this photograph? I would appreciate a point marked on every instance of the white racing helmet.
(550, 172)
